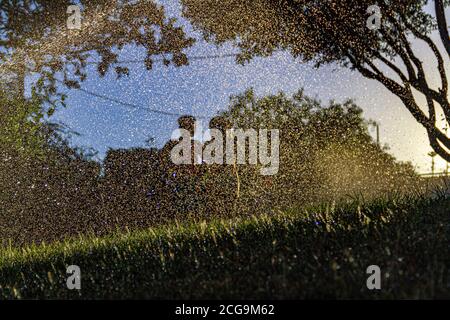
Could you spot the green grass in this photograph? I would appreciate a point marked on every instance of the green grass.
(316, 253)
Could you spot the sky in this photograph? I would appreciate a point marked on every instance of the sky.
(203, 88)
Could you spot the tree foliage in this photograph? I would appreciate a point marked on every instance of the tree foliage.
(326, 152)
(34, 38)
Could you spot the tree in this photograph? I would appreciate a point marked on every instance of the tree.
(48, 188)
(20, 126)
(331, 31)
(326, 153)
(35, 38)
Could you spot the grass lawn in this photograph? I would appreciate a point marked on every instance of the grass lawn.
(321, 252)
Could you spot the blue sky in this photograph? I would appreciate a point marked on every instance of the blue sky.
(204, 87)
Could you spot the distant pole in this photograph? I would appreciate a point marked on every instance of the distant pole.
(446, 169)
(446, 166)
(432, 154)
(378, 133)
(377, 128)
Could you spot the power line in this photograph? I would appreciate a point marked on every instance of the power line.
(132, 105)
(139, 107)
(193, 58)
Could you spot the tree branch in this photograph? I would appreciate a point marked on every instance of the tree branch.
(442, 24)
